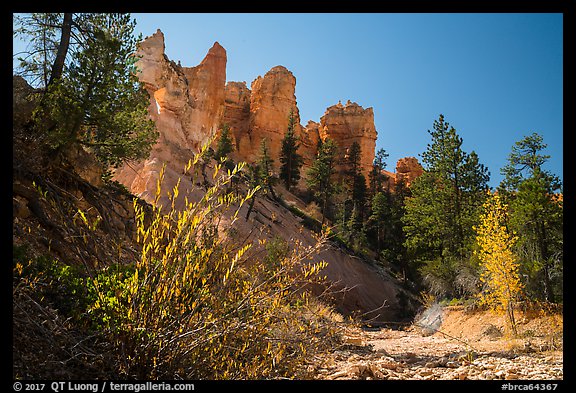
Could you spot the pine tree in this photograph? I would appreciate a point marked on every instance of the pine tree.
(90, 95)
(443, 208)
(320, 178)
(395, 250)
(379, 217)
(352, 200)
(265, 165)
(50, 36)
(523, 161)
(254, 180)
(376, 178)
(500, 268)
(536, 215)
(290, 160)
(355, 182)
(384, 231)
(352, 162)
(224, 145)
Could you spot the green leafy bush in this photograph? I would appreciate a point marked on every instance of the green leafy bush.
(59, 284)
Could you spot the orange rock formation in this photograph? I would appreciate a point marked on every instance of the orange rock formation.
(186, 103)
(346, 124)
(189, 105)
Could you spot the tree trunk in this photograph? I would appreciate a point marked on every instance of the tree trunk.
(324, 202)
(543, 245)
(56, 72)
(58, 66)
(250, 207)
(271, 189)
(512, 319)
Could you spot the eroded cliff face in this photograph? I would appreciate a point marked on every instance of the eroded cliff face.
(261, 113)
(407, 170)
(309, 140)
(346, 124)
(237, 115)
(186, 103)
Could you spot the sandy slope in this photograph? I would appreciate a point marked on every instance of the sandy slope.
(359, 287)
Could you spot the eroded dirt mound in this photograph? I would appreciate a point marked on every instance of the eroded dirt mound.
(538, 327)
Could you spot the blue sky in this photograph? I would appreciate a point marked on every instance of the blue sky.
(495, 77)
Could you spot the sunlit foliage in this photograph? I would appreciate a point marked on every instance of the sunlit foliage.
(502, 285)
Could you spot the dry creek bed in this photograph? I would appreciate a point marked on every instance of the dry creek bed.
(407, 354)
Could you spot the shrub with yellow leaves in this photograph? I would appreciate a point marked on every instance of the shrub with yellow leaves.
(197, 307)
(502, 285)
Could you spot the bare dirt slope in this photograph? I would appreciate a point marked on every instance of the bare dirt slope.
(468, 345)
(358, 287)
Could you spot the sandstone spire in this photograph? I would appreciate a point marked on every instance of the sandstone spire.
(346, 124)
(186, 104)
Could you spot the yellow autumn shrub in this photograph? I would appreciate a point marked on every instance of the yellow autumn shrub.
(502, 285)
(198, 307)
